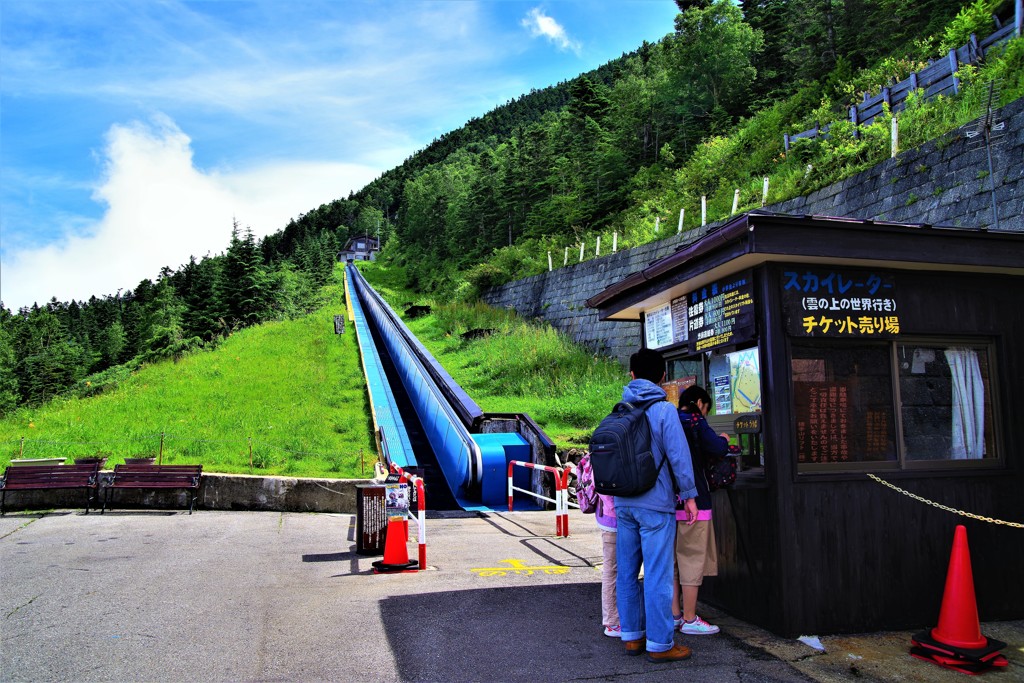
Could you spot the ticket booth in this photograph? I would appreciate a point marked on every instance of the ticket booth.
(850, 359)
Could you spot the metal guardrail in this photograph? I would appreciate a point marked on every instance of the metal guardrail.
(561, 499)
(389, 427)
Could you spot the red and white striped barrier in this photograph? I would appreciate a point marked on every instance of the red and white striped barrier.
(561, 499)
(421, 515)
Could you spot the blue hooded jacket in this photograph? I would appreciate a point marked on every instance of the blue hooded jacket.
(667, 440)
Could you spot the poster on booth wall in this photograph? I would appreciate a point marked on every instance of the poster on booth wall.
(658, 326)
(397, 500)
(674, 387)
(722, 394)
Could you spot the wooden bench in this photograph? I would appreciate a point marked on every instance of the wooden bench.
(38, 477)
(153, 477)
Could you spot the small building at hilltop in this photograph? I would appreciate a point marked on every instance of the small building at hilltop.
(361, 248)
(869, 371)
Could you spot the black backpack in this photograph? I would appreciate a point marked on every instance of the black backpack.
(719, 471)
(621, 454)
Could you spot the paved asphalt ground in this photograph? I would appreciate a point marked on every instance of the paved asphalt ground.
(143, 595)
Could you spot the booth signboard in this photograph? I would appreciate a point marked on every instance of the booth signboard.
(749, 423)
(371, 519)
(721, 313)
(819, 302)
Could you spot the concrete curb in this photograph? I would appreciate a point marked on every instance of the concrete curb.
(216, 492)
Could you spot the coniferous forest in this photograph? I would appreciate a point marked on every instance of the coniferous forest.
(696, 114)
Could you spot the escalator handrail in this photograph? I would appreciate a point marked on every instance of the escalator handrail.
(374, 300)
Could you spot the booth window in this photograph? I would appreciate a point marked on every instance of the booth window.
(946, 401)
(845, 393)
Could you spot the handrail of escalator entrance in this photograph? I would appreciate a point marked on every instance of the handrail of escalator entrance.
(467, 409)
(369, 295)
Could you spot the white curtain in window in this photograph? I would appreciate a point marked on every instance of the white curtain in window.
(968, 404)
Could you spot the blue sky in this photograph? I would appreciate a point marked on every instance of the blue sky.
(133, 133)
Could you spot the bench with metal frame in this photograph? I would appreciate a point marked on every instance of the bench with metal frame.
(153, 477)
(41, 477)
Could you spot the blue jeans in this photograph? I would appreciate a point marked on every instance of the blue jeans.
(645, 537)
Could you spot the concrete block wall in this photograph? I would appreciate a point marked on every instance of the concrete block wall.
(216, 492)
(944, 182)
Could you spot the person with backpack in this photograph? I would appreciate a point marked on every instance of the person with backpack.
(696, 553)
(646, 520)
(603, 508)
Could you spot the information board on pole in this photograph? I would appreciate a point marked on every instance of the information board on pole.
(397, 500)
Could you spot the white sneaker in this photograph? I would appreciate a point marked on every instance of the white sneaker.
(613, 631)
(698, 627)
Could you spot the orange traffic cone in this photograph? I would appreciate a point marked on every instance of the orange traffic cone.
(957, 642)
(396, 554)
(958, 617)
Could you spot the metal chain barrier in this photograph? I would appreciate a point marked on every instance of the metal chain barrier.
(980, 518)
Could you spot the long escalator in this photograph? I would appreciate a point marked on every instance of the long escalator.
(428, 425)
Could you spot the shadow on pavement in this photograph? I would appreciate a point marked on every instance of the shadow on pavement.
(543, 633)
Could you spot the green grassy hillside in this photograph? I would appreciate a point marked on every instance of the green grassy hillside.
(293, 390)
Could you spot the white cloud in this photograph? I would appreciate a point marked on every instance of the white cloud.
(160, 210)
(540, 24)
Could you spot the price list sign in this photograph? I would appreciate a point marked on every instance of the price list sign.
(722, 313)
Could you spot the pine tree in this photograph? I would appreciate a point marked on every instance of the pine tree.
(241, 287)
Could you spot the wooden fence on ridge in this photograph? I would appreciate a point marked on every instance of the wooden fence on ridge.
(938, 78)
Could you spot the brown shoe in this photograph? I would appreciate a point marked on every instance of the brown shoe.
(634, 648)
(676, 653)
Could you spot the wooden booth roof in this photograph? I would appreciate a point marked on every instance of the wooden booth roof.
(752, 239)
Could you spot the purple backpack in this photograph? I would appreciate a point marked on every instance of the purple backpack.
(586, 494)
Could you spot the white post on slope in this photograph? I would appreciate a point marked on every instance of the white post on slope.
(895, 138)
(657, 224)
(582, 245)
(735, 200)
(764, 192)
(682, 212)
(565, 261)
(597, 249)
(615, 242)
(703, 210)
(549, 262)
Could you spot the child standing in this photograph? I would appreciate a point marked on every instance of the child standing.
(605, 518)
(696, 553)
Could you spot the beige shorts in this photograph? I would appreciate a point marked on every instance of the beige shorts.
(696, 552)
